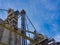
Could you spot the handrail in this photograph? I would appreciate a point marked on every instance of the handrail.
(16, 32)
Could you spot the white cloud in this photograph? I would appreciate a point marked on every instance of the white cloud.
(57, 37)
(50, 4)
(55, 27)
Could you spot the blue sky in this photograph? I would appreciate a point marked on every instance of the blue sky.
(44, 14)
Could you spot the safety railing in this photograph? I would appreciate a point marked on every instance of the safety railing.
(18, 33)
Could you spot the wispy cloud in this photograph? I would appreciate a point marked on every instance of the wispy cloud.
(57, 37)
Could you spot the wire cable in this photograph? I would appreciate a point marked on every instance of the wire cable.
(31, 22)
(3, 9)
